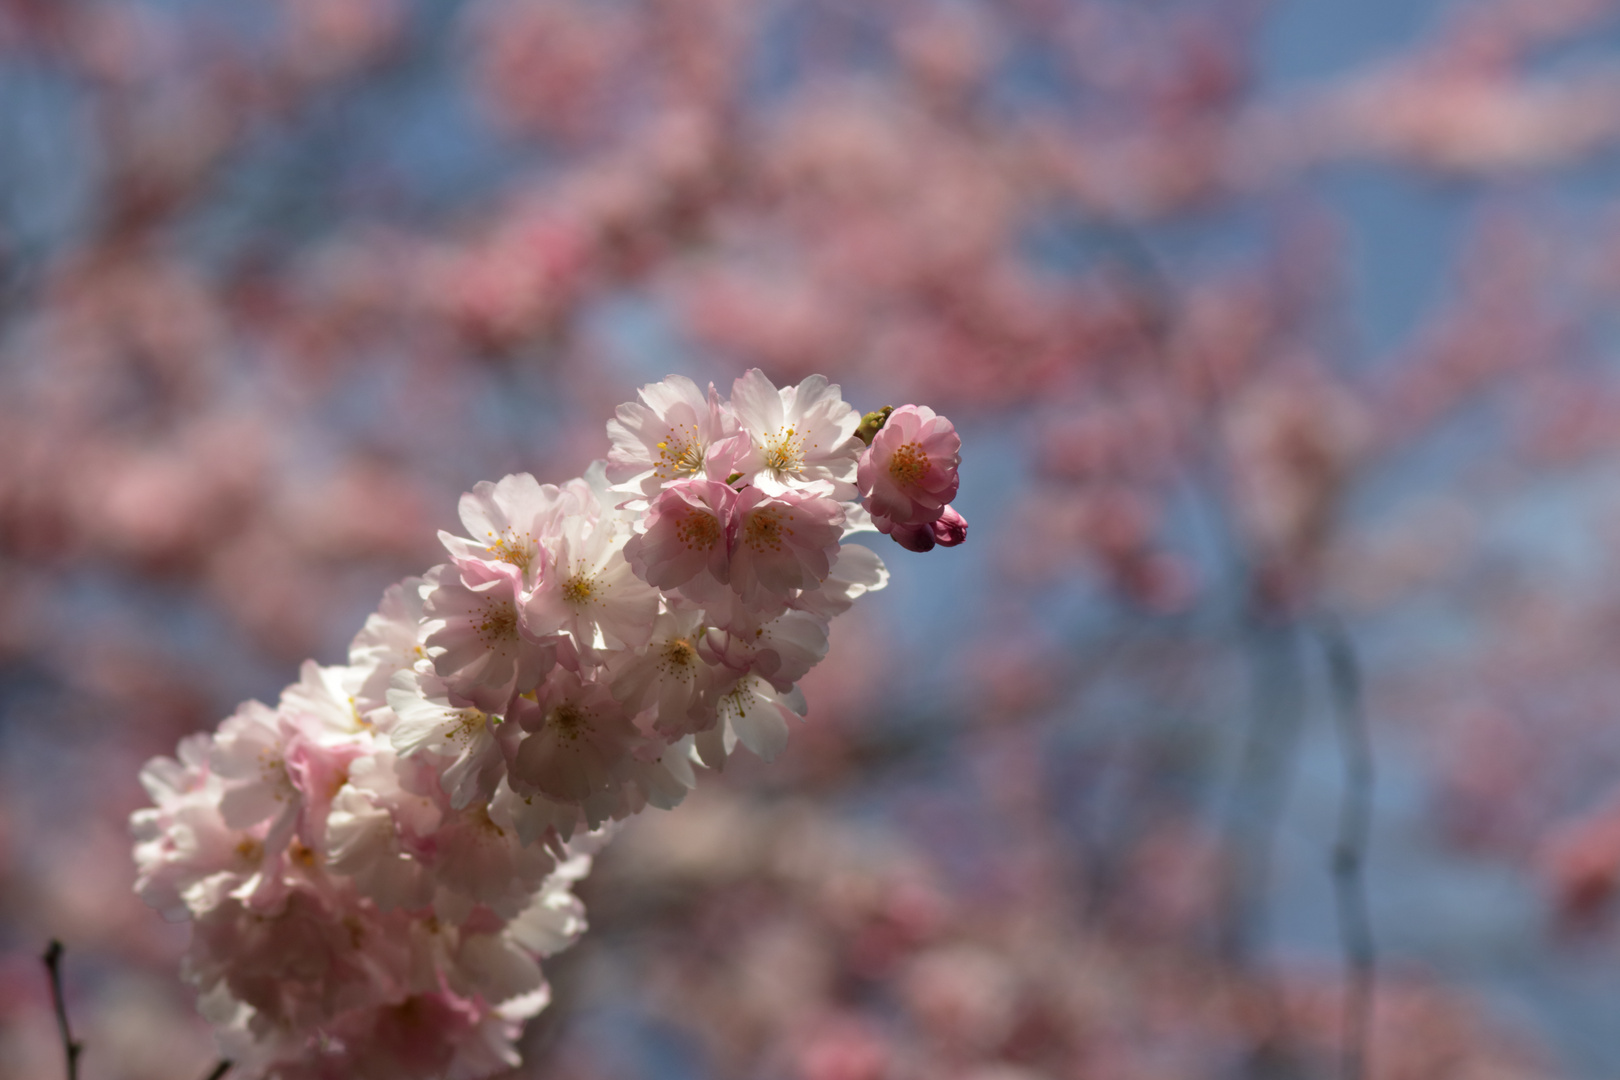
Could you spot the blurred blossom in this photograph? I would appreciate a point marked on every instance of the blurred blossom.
(1263, 317)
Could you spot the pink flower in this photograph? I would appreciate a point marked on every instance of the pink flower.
(782, 650)
(301, 965)
(688, 530)
(477, 644)
(670, 675)
(908, 474)
(782, 543)
(509, 523)
(376, 866)
(469, 763)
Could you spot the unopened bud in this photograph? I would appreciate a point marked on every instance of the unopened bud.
(872, 423)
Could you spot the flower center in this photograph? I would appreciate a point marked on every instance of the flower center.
(698, 530)
(569, 721)
(478, 817)
(680, 454)
(736, 701)
(679, 654)
(499, 625)
(513, 549)
(784, 451)
(468, 723)
(273, 774)
(580, 589)
(766, 528)
(909, 464)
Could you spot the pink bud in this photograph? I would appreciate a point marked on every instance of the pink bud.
(950, 529)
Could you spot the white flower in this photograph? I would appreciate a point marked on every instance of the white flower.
(754, 713)
(249, 756)
(463, 737)
(325, 698)
(592, 595)
(391, 641)
(800, 437)
(666, 438)
(187, 858)
(669, 674)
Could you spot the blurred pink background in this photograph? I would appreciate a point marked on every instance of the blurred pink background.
(1258, 320)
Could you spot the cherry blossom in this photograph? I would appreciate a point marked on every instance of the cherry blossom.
(593, 596)
(376, 868)
(798, 438)
(508, 524)
(688, 532)
(782, 543)
(947, 530)
(477, 643)
(908, 473)
(574, 734)
(666, 437)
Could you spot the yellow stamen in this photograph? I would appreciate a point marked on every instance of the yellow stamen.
(909, 464)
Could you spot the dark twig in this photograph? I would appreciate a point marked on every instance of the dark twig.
(1350, 849)
(70, 1046)
(219, 1070)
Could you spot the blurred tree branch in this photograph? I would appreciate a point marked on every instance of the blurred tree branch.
(71, 1047)
(1350, 847)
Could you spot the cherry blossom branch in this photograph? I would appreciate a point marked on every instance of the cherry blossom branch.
(1350, 847)
(71, 1047)
(219, 1070)
(585, 646)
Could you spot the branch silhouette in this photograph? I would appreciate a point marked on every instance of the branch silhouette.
(71, 1047)
(1350, 848)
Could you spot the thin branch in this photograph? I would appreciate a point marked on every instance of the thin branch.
(219, 1070)
(1350, 849)
(71, 1047)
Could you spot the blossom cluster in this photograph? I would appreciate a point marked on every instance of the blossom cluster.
(376, 867)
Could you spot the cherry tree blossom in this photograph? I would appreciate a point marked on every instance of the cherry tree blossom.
(384, 860)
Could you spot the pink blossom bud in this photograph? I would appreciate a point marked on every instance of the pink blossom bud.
(950, 529)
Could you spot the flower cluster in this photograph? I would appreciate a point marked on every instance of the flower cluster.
(375, 867)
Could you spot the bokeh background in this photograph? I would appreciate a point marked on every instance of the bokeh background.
(1281, 337)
